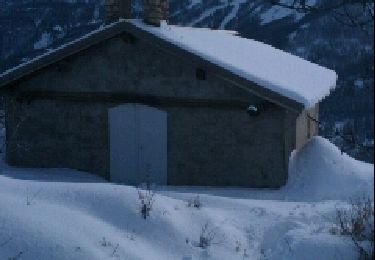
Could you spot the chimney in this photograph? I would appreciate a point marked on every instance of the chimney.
(117, 9)
(155, 11)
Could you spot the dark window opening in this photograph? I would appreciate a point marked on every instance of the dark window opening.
(200, 74)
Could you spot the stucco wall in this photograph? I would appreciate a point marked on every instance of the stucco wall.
(206, 146)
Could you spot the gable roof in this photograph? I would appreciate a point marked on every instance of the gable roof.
(277, 76)
(52, 56)
(276, 70)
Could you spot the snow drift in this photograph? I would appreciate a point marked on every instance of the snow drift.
(319, 171)
(64, 214)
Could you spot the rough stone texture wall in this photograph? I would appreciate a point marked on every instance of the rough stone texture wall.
(52, 134)
(225, 147)
(116, 66)
(206, 146)
(306, 127)
(155, 11)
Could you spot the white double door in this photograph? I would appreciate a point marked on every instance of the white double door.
(138, 144)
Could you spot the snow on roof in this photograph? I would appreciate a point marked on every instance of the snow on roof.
(276, 70)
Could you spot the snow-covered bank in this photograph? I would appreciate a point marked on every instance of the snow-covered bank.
(63, 214)
(320, 171)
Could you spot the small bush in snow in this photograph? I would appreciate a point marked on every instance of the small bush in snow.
(114, 252)
(238, 246)
(146, 198)
(357, 222)
(17, 256)
(31, 197)
(195, 202)
(130, 234)
(105, 243)
(207, 237)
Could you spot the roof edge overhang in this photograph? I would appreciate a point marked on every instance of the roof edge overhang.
(220, 71)
(13, 76)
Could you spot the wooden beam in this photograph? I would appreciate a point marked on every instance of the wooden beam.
(123, 97)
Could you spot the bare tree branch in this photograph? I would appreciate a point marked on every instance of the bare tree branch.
(354, 13)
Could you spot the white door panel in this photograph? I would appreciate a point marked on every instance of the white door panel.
(138, 144)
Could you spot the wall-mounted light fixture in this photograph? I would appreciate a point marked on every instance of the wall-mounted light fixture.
(253, 110)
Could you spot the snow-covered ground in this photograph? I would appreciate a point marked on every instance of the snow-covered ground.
(65, 214)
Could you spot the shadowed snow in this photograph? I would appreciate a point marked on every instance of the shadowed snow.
(66, 214)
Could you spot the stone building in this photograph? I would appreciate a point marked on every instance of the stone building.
(139, 101)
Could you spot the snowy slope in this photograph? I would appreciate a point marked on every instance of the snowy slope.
(64, 214)
(230, 10)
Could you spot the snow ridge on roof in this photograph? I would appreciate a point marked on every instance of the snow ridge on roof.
(274, 69)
